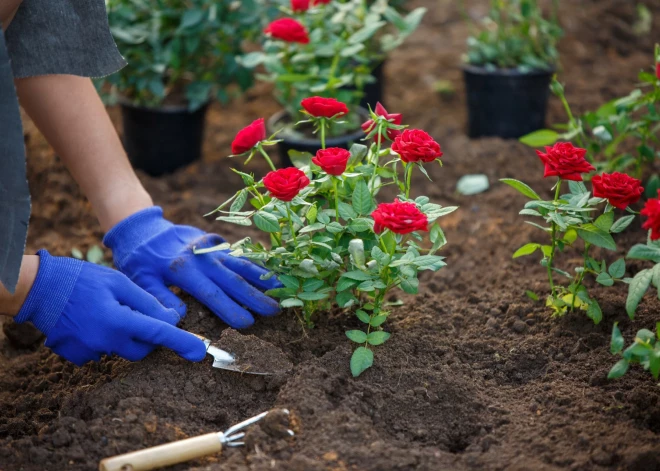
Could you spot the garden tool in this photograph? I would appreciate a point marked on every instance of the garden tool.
(183, 450)
(225, 360)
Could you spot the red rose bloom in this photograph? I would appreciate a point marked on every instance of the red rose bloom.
(565, 161)
(657, 70)
(621, 190)
(299, 5)
(415, 145)
(248, 137)
(320, 107)
(288, 29)
(400, 218)
(395, 118)
(286, 183)
(652, 211)
(332, 160)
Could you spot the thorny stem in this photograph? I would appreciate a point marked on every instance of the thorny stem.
(334, 186)
(270, 162)
(293, 233)
(553, 244)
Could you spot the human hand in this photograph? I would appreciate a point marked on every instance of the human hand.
(87, 310)
(155, 254)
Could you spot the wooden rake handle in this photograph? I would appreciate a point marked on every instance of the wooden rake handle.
(164, 455)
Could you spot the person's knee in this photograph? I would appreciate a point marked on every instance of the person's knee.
(8, 9)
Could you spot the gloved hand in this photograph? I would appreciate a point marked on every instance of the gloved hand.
(87, 310)
(155, 254)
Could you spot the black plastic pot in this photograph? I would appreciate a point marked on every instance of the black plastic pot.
(306, 144)
(374, 91)
(505, 102)
(161, 140)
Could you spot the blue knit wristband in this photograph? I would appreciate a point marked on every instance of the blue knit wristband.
(50, 292)
(135, 230)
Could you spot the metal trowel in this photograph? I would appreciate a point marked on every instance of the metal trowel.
(227, 361)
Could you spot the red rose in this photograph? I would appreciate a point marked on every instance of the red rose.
(621, 190)
(332, 160)
(299, 5)
(565, 161)
(321, 2)
(657, 70)
(652, 211)
(286, 183)
(395, 118)
(398, 217)
(248, 137)
(288, 29)
(320, 107)
(414, 145)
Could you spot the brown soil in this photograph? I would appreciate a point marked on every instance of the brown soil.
(252, 353)
(475, 376)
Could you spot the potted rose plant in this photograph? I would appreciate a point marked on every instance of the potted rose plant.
(327, 48)
(332, 245)
(509, 62)
(180, 55)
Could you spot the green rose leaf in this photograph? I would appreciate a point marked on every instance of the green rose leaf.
(267, 222)
(362, 201)
(618, 268)
(521, 187)
(361, 360)
(378, 338)
(596, 236)
(618, 370)
(617, 342)
(357, 336)
(540, 138)
(638, 286)
(526, 249)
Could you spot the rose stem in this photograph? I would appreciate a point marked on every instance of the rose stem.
(553, 246)
(334, 186)
(293, 233)
(379, 140)
(408, 172)
(270, 162)
(322, 133)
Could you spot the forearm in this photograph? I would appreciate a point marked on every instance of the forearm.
(70, 114)
(10, 304)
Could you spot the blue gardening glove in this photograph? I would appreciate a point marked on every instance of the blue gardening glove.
(87, 310)
(155, 254)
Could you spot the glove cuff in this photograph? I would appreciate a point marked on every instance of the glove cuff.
(50, 292)
(130, 233)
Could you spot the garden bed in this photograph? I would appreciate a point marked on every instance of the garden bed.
(477, 376)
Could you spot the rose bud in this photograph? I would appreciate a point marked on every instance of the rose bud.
(332, 160)
(286, 183)
(400, 218)
(652, 211)
(320, 107)
(394, 118)
(288, 29)
(248, 137)
(415, 145)
(619, 189)
(565, 161)
(299, 6)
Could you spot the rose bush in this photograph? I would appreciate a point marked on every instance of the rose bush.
(329, 48)
(574, 216)
(331, 245)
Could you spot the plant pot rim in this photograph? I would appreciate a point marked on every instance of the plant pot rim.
(335, 141)
(174, 109)
(482, 70)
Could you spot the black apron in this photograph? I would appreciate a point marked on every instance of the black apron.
(45, 37)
